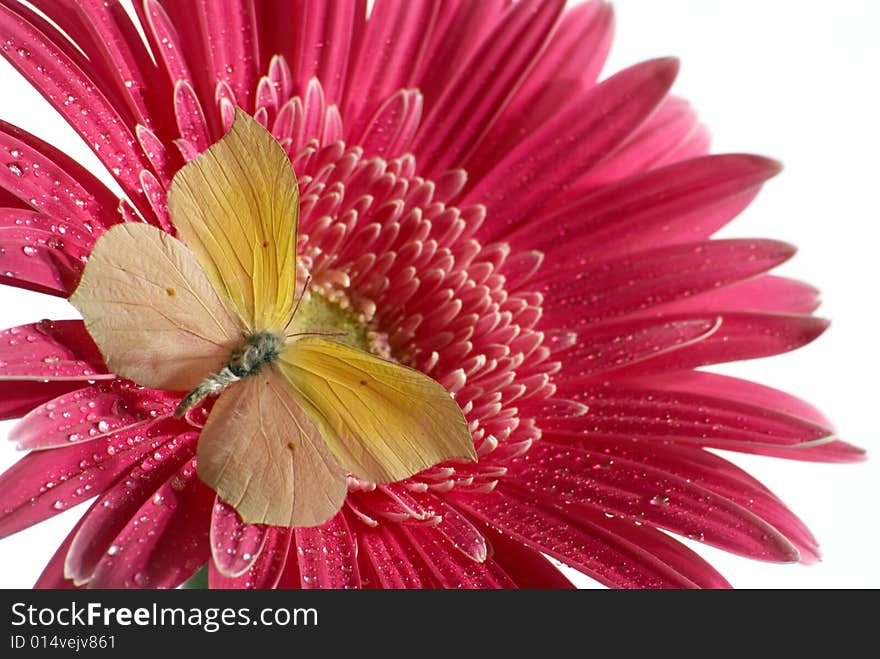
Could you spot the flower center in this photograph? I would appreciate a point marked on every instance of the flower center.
(320, 315)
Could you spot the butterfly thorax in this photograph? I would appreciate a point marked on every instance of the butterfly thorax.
(258, 349)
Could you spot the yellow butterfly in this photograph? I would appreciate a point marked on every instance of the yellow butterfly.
(217, 313)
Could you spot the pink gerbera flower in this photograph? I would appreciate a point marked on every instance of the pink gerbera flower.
(536, 241)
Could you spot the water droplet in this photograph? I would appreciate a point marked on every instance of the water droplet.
(14, 168)
(113, 549)
(23, 52)
(29, 250)
(59, 505)
(103, 426)
(659, 500)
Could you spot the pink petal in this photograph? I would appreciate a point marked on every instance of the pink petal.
(301, 31)
(190, 118)
(165, 40)
(628, 488)
(35, 258)
(669, 551)
(636, 282)
(327, 555)
(756, 395)
(232, 44)
(87, 53)
(50, 181)
(706, 470)
(565, 70)
(612, 346)
(683, 202)
(589, 548)
(528, 568)
(653, 144)
(270, 570)
(741, 335)
(695, 145)
(388, 57)
(482, 87)
(91, 413)
(160, 157)
(537, 169)
(235, 546)
(575, 53)
(25, 226)
(19, 397)
(89, 112)
(685, 417)
(119, 504)
(166, 540)
(44, 483)
(281, 79)
(450, 567)
(456, 528)
(766, 293)
(267, 97)
(394, 560)
(392, 128)
(157, 196)
(120, 55)
(50, 350)
(457, 33)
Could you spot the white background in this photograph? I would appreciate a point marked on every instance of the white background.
(795, 81)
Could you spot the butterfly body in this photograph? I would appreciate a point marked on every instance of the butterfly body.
(258, 349)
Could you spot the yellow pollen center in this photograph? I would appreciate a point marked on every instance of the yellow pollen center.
(318, 314)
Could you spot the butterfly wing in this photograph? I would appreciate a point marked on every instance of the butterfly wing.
(383, 421)
(236, 206)
(265, 458)
(152, 311)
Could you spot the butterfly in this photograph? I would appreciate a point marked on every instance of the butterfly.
(215, 312)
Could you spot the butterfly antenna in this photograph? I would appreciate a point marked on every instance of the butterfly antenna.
(290, 336)
(299, 300)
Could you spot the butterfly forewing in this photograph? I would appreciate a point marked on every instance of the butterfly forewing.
(236, 206)
(384, 422)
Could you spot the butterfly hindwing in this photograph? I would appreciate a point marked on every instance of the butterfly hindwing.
(152, 311)
(265, 458)
(384, 422)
